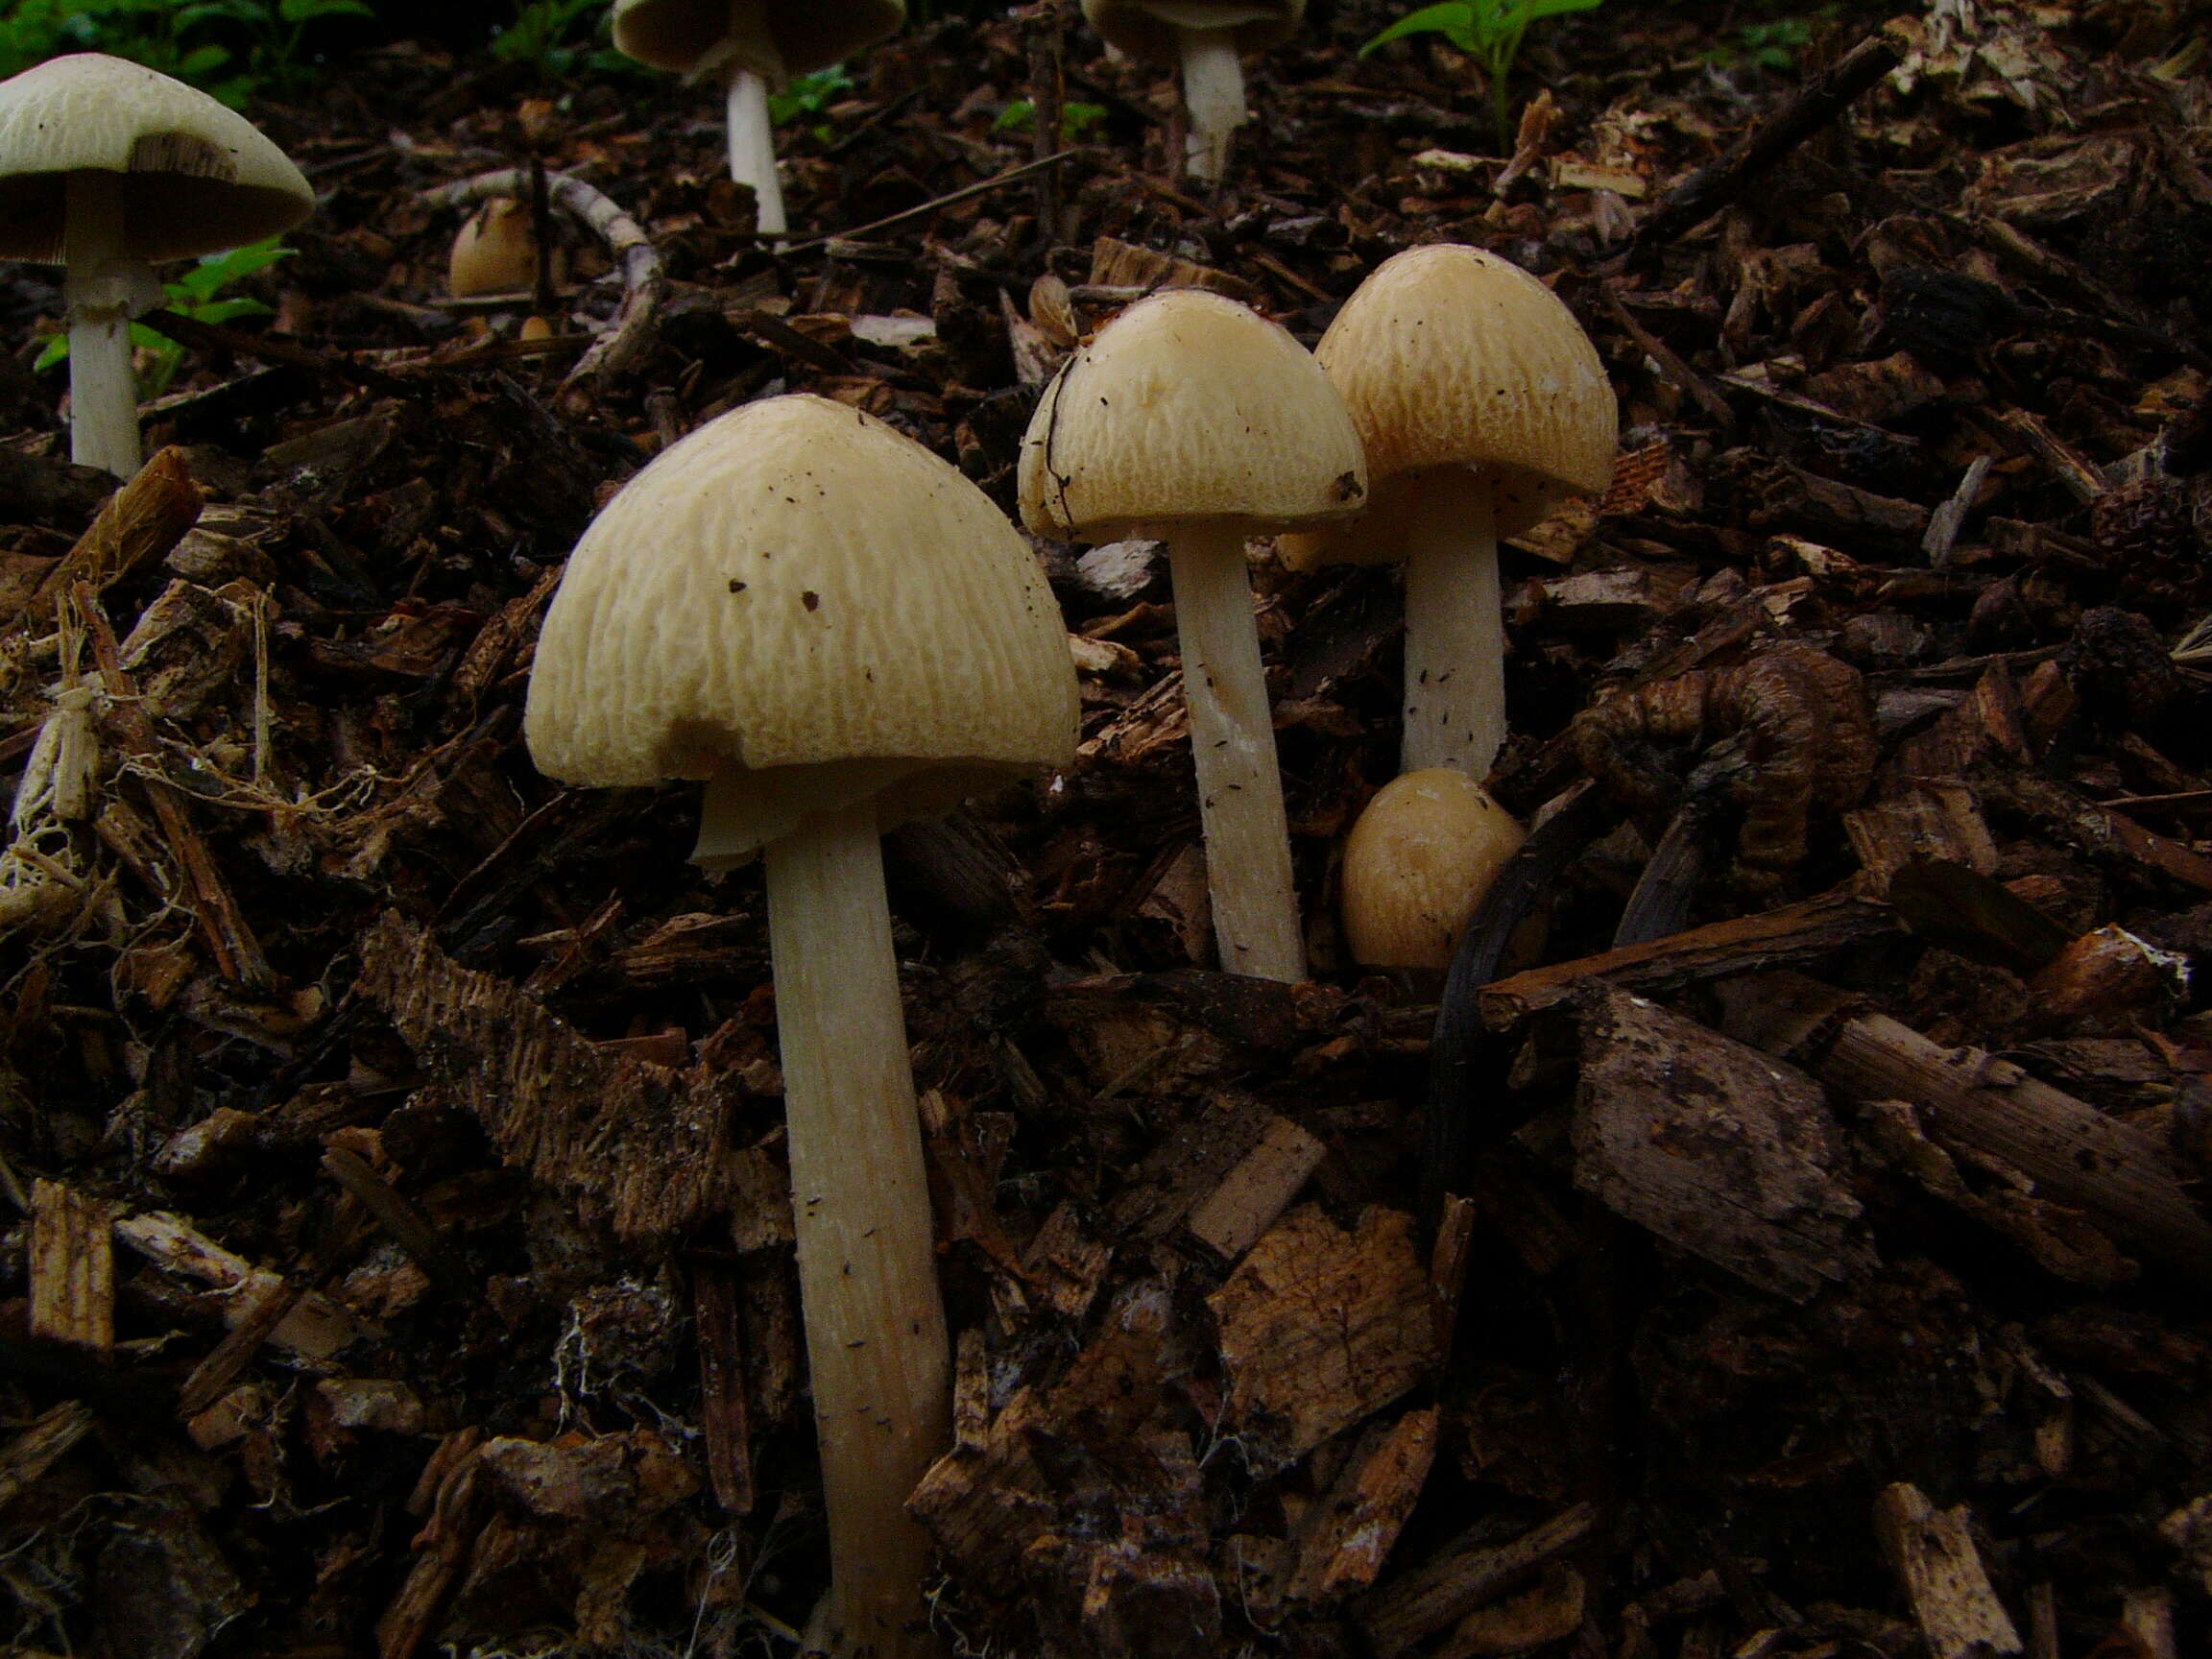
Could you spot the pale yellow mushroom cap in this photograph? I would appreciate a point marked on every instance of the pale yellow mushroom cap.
(802, 597)
(1449, 356)
(200, 178)
(1417, 863)
(1149, 29)
(494, 252)
(1188, 408)
(771, 38)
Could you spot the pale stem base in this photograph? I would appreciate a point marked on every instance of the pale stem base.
(1454, 628)
(1213, 98)
(1233, 744)
(103, 392)
(875, 1344)
(753, 148)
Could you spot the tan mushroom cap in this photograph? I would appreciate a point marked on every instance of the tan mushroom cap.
(1417, 863)
(1450, 356)
(201, 178)
(1188, 407)
(686, 35)
(1151, 28)
(798, 586)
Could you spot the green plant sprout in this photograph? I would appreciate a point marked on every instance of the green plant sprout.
(1488, 30)
(1076, 120)
(197, 295)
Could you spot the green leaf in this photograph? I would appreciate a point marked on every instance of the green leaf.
(221, 311)
(55, 351)
(308, 10)
(1453, 18)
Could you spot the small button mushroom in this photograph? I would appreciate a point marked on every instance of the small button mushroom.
(1417, 863)
(109, 168)
(1481, 404)
(494, 252)
(1193, 420)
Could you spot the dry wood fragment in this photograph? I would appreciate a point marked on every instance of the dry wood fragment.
(1258, 1189)
(1932, 1552)
(1549, 1610)
(2100, 833)
(456, 1516)
(2082, 479)
(72, 1268)
(1320, 1327)
(137, 527)
(1464, 1575)
(1794, 933)
(649, 1143)
(1935, 819)
(1949, 518)
(1977, 1102)
(1342, 1541)
(316, 1328)
(722, 1413)
(40, 1446)
(1714, 1146)
(213, 1376)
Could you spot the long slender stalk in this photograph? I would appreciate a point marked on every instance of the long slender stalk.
(1213, 97)
(1233, 744)
(753, 147)
(1455, 625)
(103, 394)
(876, 1343)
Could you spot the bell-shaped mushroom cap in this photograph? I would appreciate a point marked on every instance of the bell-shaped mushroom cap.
(1188, 407)
(688, 37)
(1447, 355)
(1417, 863)
(1149, 29)
(201, 178)
(797, 584)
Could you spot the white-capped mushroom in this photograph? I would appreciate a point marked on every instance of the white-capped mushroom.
(111, 168)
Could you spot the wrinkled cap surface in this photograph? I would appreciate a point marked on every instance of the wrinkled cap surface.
(200, 178)
(1188, 408)
(1152, 29)
(687, 36)
(1447, 355)
(794, 587)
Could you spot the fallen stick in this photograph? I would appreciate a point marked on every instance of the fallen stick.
(981, 186)
(618, 348)
(1813, 106)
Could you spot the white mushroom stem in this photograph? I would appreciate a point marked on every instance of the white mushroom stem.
(103, 285)
(1233, 744)
(1213, 97)
(1455, 625)
(753, 146)
(876, 1345)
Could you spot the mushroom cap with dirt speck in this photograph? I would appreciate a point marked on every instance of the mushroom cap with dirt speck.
(800, 594)
(200, 178)
(685, 37)
(1151, 28)
(1449, 356)
(1417, 863)
(1188, 408)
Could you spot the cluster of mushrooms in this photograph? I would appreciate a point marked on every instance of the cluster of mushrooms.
(837, 631)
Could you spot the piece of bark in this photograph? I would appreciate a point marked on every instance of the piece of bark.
(456, 1515)
(1770, 939)
(1549, 1610)
(1977, 1102)
(140, 524)
(649, 1145)
(1319, 1326)
(722, 1414)
(40, 1446)
(1065, 1264)
(1463, 1575)
(1932, 1552)
(1962, 910)
(1938, 820)
(1448, 1264)
(1256, 1189)
(1342, 1541)
(316, 1326)
(213, 1376)
(72, 1268)
(2105, 836)
(1714, 1146)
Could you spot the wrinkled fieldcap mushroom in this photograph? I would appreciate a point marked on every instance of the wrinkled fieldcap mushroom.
(1417, 863)
(1197, 422)
(839, 633)
(494, 252)
(109, 168)
(1204, 38)
(753, 47)
(1481, 404)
